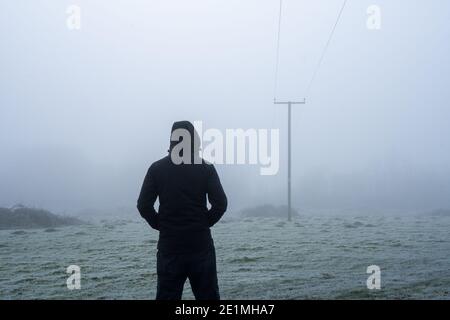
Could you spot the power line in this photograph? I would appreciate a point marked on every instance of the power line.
(327, 44)
(325, 49)
(278, 51)
(290, 103)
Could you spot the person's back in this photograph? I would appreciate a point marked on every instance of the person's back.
(184, 221)
(183, 218)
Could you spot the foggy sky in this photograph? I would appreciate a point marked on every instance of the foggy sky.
(84, 113)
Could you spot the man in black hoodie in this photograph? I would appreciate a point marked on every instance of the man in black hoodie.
(184, 182)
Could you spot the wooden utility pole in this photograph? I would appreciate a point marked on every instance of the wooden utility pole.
(289, 104)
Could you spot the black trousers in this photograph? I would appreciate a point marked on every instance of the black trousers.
(199, 268)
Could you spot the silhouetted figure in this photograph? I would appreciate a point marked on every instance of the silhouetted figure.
(185, 246)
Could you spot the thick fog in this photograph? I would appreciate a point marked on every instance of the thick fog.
(83, 113)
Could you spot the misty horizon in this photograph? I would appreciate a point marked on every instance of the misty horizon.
(84, 113)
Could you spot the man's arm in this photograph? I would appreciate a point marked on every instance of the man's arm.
(216, 197)
(147, 198)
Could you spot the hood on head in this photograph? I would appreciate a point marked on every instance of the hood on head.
(189, 127)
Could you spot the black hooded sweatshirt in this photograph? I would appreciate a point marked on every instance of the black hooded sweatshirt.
(183, 218)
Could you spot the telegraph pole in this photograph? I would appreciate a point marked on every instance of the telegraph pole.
(289, 104)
